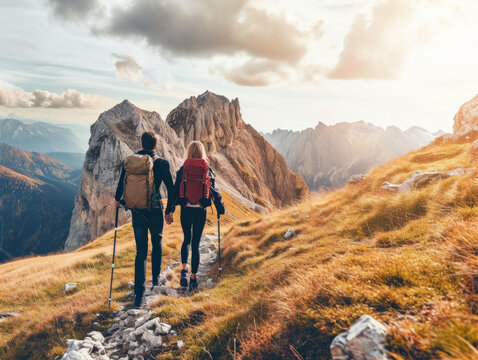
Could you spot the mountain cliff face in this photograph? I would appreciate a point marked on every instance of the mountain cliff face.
(466, 119)
(327, 156)
(244, 161)
(114, 136)
(36, 202)
(246, 165)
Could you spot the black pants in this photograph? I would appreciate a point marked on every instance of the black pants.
(192, 222)
(144, 220)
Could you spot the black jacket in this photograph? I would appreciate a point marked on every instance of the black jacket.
(214, 193)
(161, 174)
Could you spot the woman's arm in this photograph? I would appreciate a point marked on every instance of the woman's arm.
(217, 197)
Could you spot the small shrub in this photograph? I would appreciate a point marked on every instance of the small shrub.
(395, 276)
(467, 212)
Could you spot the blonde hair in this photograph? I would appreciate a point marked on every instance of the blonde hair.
(196, 151)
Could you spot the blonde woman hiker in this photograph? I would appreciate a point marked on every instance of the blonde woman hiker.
(194, 190)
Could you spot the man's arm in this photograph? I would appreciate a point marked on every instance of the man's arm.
(174, 193)
(119, 189)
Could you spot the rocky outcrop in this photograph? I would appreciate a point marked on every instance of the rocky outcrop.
(246, 164)
(419, 180)
(365, 340)
(115, 135)
(466, 119)
(327, 156)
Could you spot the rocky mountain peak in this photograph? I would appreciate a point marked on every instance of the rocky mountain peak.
(246, 163)
(466, 119)
(209, 118)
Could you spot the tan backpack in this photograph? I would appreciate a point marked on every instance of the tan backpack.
(139, 186)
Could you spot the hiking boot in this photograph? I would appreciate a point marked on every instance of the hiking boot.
(184, 280)
(138, 300)
(193, 284)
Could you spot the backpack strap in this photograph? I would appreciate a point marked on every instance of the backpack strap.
(148, 198)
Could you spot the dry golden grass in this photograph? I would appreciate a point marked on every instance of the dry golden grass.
(34, 287)
(406, 259)
(409, 260)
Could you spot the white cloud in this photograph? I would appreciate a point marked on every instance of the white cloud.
(377, 45)
(253, 72)
(12, 97)
(127, 68)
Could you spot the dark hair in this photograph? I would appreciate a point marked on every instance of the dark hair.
(149, 140)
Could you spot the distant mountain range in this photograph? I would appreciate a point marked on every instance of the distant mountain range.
(75, 160)
(39, 136)
(327, 156)
(36, 201)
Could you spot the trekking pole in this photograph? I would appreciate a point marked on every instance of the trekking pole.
(113, 262)
(219, 241)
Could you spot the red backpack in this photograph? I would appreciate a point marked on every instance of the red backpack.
(195, 181)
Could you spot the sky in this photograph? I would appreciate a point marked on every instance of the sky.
(291, 63)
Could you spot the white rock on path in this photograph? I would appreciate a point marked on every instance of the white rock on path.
(154, 341)
(162, 329)
(96, 336)
(365, 340)
(76, 355)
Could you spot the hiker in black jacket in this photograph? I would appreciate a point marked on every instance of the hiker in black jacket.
(194, 190)
(149, 214)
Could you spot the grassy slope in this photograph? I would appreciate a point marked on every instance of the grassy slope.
(34, 288)
(407, 259)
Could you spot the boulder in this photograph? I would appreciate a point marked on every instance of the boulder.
(354, 179)
(365, 340)
(210, 283)
(153, 341)
(208, 258)
(7, 315)
(69, 287)
(162, 329)
(76, 355)
(419, 180)
(96, 336)
(289, 234)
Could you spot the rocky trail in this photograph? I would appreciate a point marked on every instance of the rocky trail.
(135, 333)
